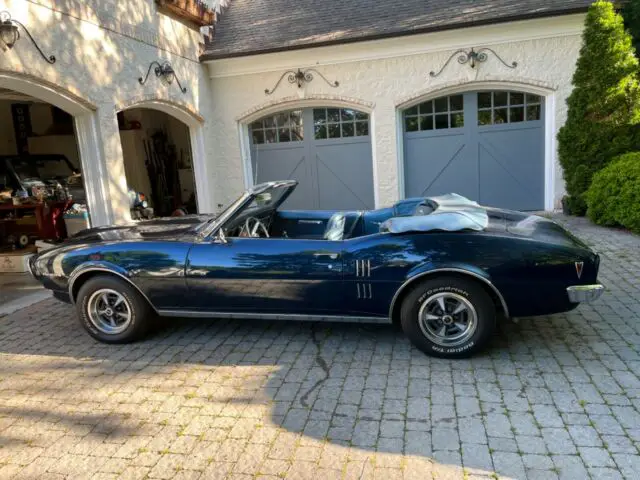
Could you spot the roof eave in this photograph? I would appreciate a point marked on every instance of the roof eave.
(514, 18)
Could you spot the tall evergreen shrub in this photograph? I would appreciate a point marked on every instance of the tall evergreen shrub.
(604, 106)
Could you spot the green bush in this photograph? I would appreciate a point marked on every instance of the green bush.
(604, 106)
(631, 14)
(614, 195)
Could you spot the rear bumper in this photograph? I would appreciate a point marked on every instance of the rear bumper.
(584, 293)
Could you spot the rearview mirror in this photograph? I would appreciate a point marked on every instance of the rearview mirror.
(263, 198)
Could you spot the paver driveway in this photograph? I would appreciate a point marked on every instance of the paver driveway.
(554, 397)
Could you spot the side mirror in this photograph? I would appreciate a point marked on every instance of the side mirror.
(221, 237)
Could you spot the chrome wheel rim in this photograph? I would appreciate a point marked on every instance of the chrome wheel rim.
(448, 319)
(109, 311)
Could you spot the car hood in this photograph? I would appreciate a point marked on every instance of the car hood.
(538, 228)
(170, 228)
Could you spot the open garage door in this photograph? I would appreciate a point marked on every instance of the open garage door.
(487, 146)
(327, 150)
(156, 149)
(40, 173)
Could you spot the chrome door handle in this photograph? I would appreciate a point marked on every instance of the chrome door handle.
(313, 222)
(332, 256)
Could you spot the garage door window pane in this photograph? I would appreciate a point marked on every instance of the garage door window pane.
(411, 124)
(508, 107)
(500, 99)
(455, 102)
(270, 135)
(348, 129)
(484, 117)
(333, 114)
(484, 100)
(319, 115)
(284, 135)
(281, 127)
(516, 114)
(320, 132)
(362, 129)
(533, 98)
(422, 118)
(258, 136)
(426, 122)
(533, 112)
(441, 104)
(442, 121)
(411, 111)
(347, 115)
(426, 107)
(340, 122)
(457, 120)
(500, 115)
(516, 98)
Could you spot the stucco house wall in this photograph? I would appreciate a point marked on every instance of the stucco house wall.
(102, 47)
(384, 76)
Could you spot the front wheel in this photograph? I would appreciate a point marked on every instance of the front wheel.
(112, 311)
(448, 317)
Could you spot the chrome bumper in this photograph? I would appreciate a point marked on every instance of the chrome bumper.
(584, 293)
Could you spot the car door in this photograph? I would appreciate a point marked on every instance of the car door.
(268, 275)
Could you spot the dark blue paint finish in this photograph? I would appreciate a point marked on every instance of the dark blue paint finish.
(266, 274)
(528, 259)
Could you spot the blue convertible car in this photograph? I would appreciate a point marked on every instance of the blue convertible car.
(442, 268)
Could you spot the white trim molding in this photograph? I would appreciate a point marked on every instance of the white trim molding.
(537, 87)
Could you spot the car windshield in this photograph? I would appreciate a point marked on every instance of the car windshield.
(271, 197)
(41, 169)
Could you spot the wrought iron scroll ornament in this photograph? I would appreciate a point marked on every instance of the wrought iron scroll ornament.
(300, 77)
(10, 34)
(472, 57)
(163, 71)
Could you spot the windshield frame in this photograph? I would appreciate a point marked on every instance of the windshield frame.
(210, 228)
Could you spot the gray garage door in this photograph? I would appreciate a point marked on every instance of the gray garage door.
(487, 146)
(327, 150)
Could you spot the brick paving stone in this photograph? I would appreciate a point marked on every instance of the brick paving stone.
(554, 397)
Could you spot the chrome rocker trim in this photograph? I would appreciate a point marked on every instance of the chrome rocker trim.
(584, 293)
(273, 316)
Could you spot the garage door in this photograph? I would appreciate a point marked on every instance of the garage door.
(487, 146)
(327, 150)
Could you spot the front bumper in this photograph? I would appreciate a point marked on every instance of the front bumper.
(584, 293)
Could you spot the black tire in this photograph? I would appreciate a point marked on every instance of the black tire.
(139, 311)
(478, 317)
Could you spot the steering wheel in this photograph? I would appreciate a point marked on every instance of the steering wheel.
(251, 227)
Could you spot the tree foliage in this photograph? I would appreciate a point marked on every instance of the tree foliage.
(604, 106)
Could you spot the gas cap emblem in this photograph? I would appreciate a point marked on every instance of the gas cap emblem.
(579, 267)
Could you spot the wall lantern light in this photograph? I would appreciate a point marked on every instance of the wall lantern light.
(165, 72)
(10, 34)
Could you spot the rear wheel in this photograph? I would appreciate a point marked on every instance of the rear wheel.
(112, 311)
(448, 317)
